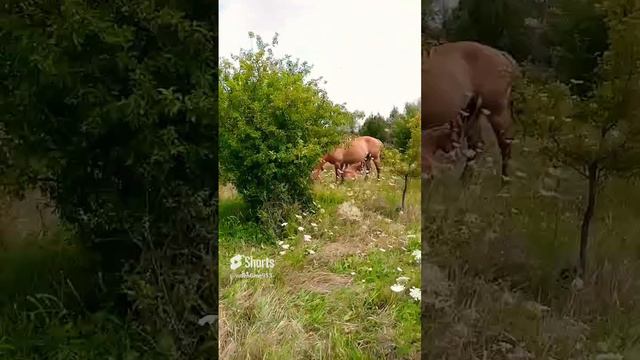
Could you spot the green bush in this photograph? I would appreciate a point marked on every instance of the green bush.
(275, 124)
(110, 108)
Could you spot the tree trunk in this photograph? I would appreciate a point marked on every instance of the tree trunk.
(588, 215)
(404, 190)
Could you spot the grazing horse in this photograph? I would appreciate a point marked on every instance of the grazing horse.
(460, 81)
(334, 158)
(357, 155)
(363, 149)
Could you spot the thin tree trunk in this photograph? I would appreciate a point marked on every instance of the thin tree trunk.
(588, 215)
(404, 191)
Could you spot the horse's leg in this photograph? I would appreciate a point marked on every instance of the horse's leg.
(376, 162)
(473, 137)
(338, 167)
(500, 123)
(367, 167)
(343, 168)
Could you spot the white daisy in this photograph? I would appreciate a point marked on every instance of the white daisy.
(415, 293)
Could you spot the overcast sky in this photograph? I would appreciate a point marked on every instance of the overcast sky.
(368, 51)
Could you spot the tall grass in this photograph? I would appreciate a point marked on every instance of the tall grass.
(501, 265)
(52, 305)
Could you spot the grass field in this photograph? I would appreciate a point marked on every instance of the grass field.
(330, 297)
(498, 280)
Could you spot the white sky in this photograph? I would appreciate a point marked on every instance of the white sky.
(368, 51)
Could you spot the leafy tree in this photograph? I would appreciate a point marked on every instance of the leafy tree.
(394, 114)
(401, 133)
(411, 109)
(407, 164)
(275, 124)
(500, 24)
(400, 126)
(599, 137)
(577, 36)
(358, 117)
(376, 126)
(110, 108)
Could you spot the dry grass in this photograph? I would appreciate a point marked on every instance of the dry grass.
(317, 282)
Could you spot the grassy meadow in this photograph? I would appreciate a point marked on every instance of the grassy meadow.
(330, 295)
(499, 264)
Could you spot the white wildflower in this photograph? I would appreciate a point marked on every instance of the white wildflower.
(415, 293)
(284, 224)
(402, 279)
(285, 246)
(417, 254)
(307, 238)
(397, 288)
(282, 252)
(300, 228)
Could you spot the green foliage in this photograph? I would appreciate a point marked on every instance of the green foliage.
(577, 36)
(110, 108)
(407, 162)
(542, 105)
(394, 130)
(500, 24)
(603, 130)
(275, 124)
(376, 126)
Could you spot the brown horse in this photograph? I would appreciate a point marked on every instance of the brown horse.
(355, 157)
(334, 158)
(467, 78)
